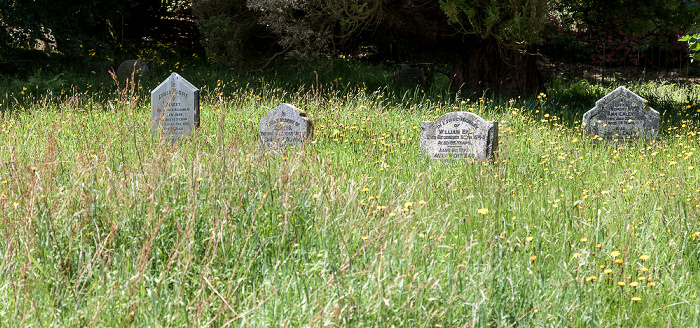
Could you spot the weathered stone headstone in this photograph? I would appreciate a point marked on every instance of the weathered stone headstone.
(410, 75)
(459, 135)
(174, 108)
(622, 115)
(284, 126)
(136, 68)
(101, 68)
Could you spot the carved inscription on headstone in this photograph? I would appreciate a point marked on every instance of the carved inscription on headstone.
(284, 126)
(174, 108)
(459, 135)
(622, 115)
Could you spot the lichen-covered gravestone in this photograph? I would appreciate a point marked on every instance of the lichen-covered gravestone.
(622, 115)
(284, 126)
(174, 108)
(459, 135)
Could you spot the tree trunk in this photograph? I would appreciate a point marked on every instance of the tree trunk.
(486, 68)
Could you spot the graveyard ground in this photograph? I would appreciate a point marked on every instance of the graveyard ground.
(102, 226)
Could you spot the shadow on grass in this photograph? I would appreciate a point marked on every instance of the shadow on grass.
(338, 77)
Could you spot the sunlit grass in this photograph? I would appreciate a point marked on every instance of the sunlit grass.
(103, 226)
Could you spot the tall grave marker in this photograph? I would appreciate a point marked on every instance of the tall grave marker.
(284, 126)
(459, 135)
(622, 115)
(174, 108)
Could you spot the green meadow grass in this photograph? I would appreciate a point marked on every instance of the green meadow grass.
(102, 226)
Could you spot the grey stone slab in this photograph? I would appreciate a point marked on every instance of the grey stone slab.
(174, 108)
(459, 135)
(101, 68)
(622, 115)
(411, 75)
(133, 67)
(284, 126)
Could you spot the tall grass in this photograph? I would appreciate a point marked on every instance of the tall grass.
(103, 226)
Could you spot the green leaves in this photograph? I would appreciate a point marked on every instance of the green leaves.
(693, 45)
(514, 24)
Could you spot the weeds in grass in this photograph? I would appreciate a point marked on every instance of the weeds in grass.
(126, 95)
(101, 226)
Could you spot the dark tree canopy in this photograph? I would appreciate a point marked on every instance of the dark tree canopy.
(487, 38)
(493, 44)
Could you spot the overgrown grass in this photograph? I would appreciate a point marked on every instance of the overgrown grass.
(102, 226)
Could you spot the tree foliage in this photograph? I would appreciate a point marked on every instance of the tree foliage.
(504, 31)
(313, 26)
(693, 38)
(512, 24)
(237, 31)
(630, 17)
(616, 32)
(492, 40)
(693, 44)
(309, 27)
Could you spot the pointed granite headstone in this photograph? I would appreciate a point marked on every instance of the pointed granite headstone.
(622, 115)
(284, 126)
(459, 135)
(174, 108)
